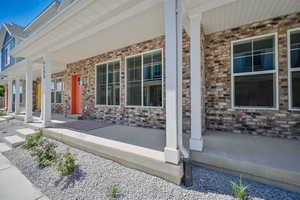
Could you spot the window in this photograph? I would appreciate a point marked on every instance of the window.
(108, 83)
(21, 94)
(254, 73)
(57, 88)
(144, 79)
(294, 69)
(7, 55)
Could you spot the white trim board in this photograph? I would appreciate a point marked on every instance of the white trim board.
(276, 107)
(290, 70)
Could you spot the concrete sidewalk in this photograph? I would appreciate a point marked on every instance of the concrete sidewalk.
(13, 184)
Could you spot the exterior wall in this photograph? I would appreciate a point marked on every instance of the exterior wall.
(58, 107)
(55, 107)
(9, 40)
(220, 115)
(34, 93)
(2, 102)
(152, 117)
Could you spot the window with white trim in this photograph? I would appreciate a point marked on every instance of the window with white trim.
(254, 73)
(144, 79)
(57, 88)
(294, 69)
(108, 83)
(7, 55)
(21, 94)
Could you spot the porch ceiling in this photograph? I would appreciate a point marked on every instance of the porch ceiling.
(92, 27)
(241, 12)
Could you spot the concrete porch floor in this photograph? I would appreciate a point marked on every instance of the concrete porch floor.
(135, 147)
(271, 160)
(144, 137)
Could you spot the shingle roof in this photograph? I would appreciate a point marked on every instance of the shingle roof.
(16, 30)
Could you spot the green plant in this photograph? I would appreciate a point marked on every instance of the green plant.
(114, 192)
(2, 91)
(240, 190)
(33, 141)
(66, 163)
(2, 112)
(45, 153)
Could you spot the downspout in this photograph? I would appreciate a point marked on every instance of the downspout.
(185, 153)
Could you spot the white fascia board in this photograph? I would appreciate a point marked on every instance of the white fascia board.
(195, 12)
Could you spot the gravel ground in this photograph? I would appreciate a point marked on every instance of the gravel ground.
(8, 128)
(95, 176)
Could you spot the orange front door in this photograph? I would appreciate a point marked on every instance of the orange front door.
(77, 82)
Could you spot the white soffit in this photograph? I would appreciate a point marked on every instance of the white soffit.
(243, 12)
(139, 28)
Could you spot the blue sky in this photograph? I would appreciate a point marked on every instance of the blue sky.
(21, 12)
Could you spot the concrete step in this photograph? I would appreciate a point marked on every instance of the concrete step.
(4, 147)
(24, 132)
(144, 159)
(76, 117)
(14, 141)
(271, 160)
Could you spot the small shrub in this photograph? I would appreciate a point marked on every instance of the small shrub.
(45, 153)
(66, 163)
(32, 141)
(114, 192)
(240, 190)
(2, 112)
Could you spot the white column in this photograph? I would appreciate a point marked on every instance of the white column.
(28, 115)
(9, 93)
(173, 32)
(196, 142)
(17, 96)
(46, 91)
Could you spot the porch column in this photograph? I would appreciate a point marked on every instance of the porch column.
(173, 32)
(17, 95)
(196, 142)
(10, 96)
(28, 115)
(46, 91)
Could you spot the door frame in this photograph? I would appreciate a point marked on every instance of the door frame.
(73, 95)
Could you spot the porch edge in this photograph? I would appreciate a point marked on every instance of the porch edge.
(143, 159)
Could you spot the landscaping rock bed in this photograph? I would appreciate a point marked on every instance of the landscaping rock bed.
(94, 178)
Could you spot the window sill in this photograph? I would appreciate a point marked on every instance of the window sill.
(145, 107)
(294, 109)
(255, 108)
(112, 106)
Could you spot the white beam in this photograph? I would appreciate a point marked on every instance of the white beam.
(211, 4)
(173, 80)
(10, 96)
(28, 115)
(17, 95)
(46, 91)
(196, 142)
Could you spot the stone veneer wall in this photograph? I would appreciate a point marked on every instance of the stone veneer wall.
(59, 107)
(2, 102)
(134, 116)
(220, 115)
(55, 107)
